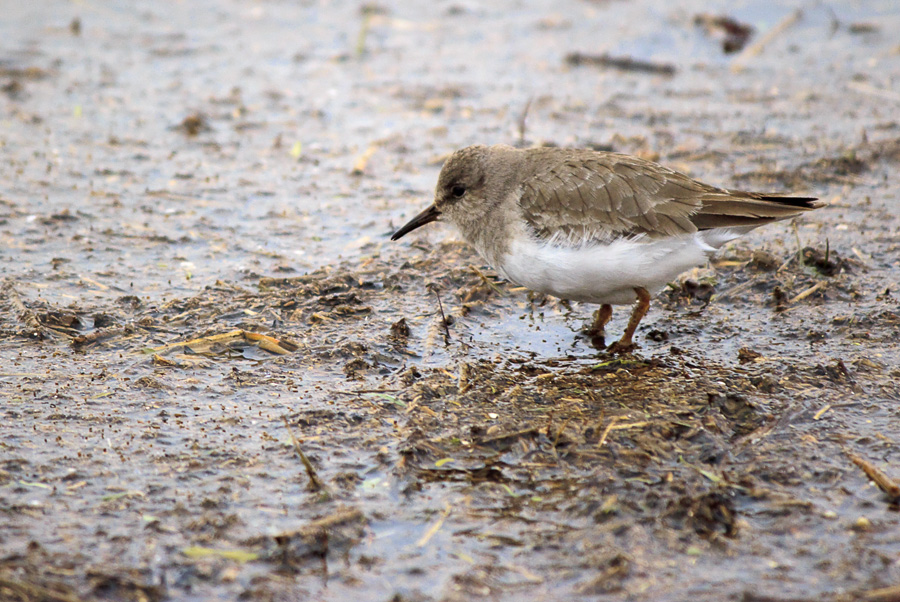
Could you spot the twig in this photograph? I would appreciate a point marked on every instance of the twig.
(734, 290)
(463, 382)
(822, 411)
(344, 515)
(100, 333)
(423, 541)
(625, 63)
(30, 591)
(359, 166)
(93, 282)
(360, 48)
(434, 289)
(559, 432)
(875, 474)
(788, 261)
(319, 527)
(606, 431)
(866, 260)
(314, 482)
(613, 426)
(799, 240)
(864, 88)
(487, 280)
(25, 314)
(883, 594)
(523, 118)
(204, 345)
(798, 254)
(818, 285)
(760, 44)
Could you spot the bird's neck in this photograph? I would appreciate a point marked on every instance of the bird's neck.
(492, 233)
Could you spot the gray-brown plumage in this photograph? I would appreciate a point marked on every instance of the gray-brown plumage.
(591, 226)
(575, 191)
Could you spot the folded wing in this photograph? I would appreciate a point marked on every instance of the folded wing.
(589, 195)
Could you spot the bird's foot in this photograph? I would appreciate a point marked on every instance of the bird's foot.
(598, 341)
(621, 347)
(596, 331)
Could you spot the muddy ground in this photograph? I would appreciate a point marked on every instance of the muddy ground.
(220, 381)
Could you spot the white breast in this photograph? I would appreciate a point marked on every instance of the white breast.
(607, 273)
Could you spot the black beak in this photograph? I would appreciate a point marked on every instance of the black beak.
(426, 217)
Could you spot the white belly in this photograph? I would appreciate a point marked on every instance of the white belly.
(597, 273)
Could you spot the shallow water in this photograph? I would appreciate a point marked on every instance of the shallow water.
(487, 465)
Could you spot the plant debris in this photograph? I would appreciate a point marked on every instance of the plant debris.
(221, 381)
(578, 59)
(733, 34)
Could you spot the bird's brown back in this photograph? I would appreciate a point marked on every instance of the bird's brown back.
(579, 194)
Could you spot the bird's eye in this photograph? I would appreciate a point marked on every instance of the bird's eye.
(458, 191)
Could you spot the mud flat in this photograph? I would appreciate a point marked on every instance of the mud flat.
(219, 380)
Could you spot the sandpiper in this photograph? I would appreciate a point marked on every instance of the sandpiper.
(590, 226)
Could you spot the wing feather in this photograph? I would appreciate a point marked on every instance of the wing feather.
(587, 195)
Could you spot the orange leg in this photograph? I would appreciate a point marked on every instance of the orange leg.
(601, 318)
(624, 345)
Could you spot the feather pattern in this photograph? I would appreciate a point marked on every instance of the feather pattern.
(578, 194)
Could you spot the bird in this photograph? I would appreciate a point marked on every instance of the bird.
(596, 227)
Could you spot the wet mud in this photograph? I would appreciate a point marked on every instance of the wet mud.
(221, 381)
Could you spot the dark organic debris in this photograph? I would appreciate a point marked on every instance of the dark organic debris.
(690, 291)
(63, 216)
(613, 569)
(578, 59)
(836, 371)
(848, 164)
(372, 8)
(764, 261)
(701, 291)
(846, 168)
(733, 33)
(121, 583)
(334, 534)
(862, 27)
(882, 150)
(100, 334)
(709, 514)
(60, 319)
(826, 263)
(658, 335)
(29, 73)
(619, 442)
(129, 301)
(778, 298)
(315, 483)
(400, 331)
(24, 590)
(742, 414)
(194, 124)
(13, 89)
(747, 355)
